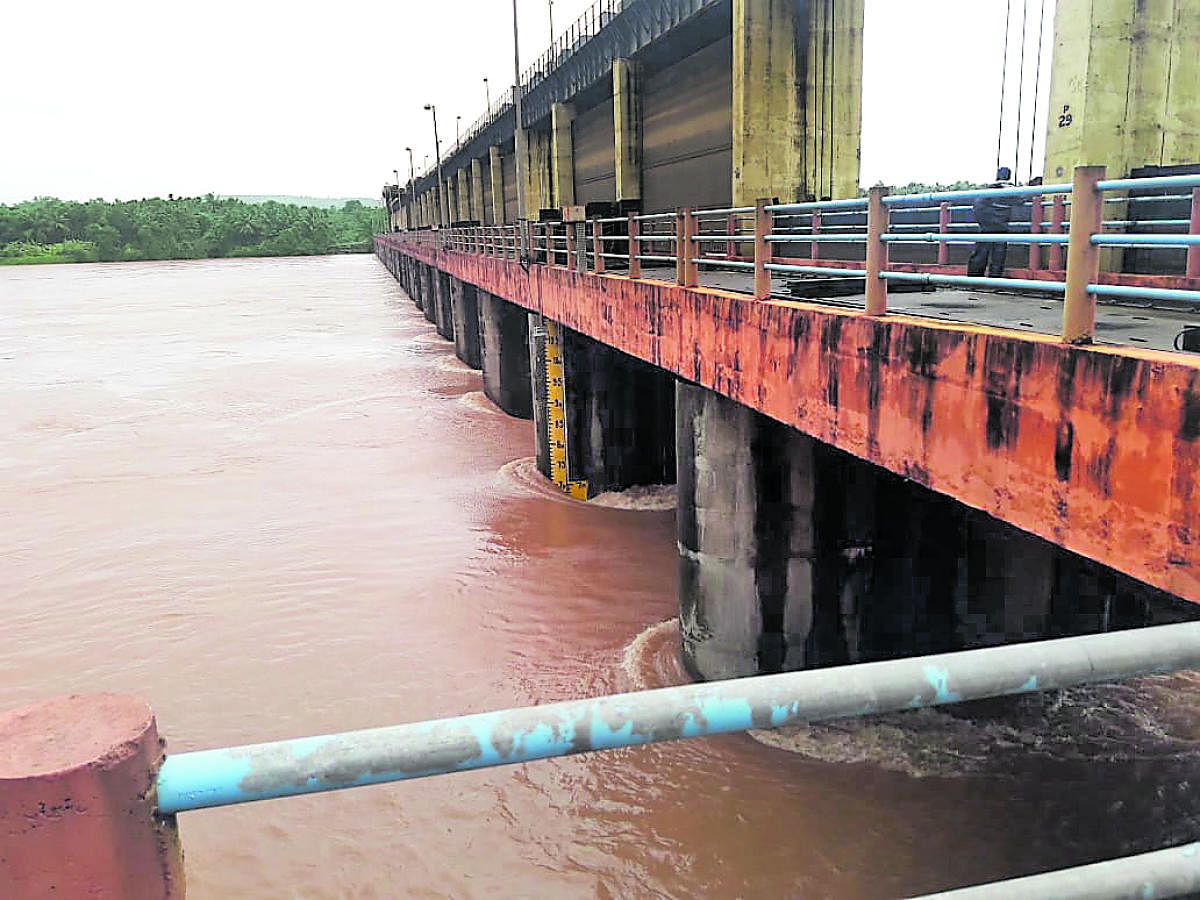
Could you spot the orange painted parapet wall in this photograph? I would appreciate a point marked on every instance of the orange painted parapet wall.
(1094, 448)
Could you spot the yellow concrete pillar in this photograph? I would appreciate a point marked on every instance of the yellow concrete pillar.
(1123, 88)
(537, 173)
(562, 154)
(627, 128)
(797, 98)
(478, 207)
(496, 170)
(463, 194)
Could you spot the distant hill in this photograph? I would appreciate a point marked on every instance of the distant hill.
(318, 202)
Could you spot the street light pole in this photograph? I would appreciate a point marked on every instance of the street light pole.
(519, 131)
(443, 209)
(457, 131)
(395, 226)
(487, 93)
(412, 185)
(550, 4)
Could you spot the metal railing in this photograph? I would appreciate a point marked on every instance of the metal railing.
(226, 776)
(763, 239)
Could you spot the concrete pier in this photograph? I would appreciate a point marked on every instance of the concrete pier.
(429, 301)
(465, 320)
(795, 555)
(443, 305)
(504, 354)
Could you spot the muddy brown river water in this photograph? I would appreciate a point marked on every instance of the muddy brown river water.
(265, 496)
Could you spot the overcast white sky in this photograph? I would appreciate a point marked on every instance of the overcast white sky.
(132, 98)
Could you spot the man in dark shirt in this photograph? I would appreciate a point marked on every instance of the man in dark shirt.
(992, 215)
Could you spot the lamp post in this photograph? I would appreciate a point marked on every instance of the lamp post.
(519, 130)
(443, 210)
(487, 93)
(457, 131)
(392, 224)
(412, 184)
(550, 5)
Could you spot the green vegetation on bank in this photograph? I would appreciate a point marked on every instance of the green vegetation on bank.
(55, 231)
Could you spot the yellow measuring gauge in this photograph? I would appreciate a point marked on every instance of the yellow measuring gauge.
(556, 413)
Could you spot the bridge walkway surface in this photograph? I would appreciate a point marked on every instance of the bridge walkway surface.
(1137, 325)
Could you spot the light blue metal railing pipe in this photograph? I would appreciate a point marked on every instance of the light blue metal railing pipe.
(947, 238)
(808, 238)
(970, 281)
(1163, 873)
(1146, 293)
(813, 205)
(1139, 184)
(732, 211)
(725, 263)
(1159, 240)
(329, 762)
(1036, 190)
(813, 270)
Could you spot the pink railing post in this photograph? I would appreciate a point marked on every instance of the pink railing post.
(1058, 216)
(814, 249)
(597, 248)
(78, 817)
(877, 251)
(943, 250)
(635, 264)
(763, 224)
(569, 230)
(731, 228)
(687, 272)
(1083, 257)
(1192, 269)
(1035, 227)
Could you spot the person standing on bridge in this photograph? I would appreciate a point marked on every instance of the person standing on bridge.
(992, 215)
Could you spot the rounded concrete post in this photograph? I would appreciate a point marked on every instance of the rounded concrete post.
(77, 799)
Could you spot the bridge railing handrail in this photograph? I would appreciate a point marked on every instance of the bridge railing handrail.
(698, 233)
(221, 777)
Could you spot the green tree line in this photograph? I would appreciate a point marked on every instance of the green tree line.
(47, 230)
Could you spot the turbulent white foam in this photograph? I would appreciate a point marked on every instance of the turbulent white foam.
(652, 659)
(427, 343)
(1154, 718)
(1150, 718)
(524, 473)
(455, 365)
(477, 401)
(654, 497)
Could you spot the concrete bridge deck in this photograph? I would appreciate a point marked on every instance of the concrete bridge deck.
(1120, 324)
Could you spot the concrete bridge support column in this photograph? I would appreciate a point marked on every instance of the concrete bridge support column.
(465, 314)
(562, 154)
(504, 353)
(627, 131)
(794, 554)
(537, 186)
(463, 194)
(1122, 87)
(443, 313)
(478, 206)
(747, 547)
(429, 298)
(620, 417)
(496, 172)
(797, 108)
(604, 420)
